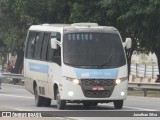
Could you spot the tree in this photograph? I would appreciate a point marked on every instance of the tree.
(18, 15)
(13, 29)
(132, 18)
(116, 12)
(3, 53)
(138, 20)
(87, 11)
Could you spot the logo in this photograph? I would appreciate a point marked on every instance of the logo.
(6, 114)
(97, 82)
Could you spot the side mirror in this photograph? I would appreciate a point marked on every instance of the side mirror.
(127, 43)
(54, 43)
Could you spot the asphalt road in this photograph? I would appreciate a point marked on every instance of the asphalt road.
(16, 98)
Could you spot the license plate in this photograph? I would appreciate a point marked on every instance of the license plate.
(98, 88)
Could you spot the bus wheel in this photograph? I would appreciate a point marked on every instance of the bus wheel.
(89, 104)
(38, 99)
(118, 104)
(47, 102)
(61, 104)
(94, 104)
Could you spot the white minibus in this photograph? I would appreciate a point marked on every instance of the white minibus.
(76, 63)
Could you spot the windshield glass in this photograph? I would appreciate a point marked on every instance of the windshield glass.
(93, 49)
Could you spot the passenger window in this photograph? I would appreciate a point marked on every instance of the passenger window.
(56, 35)
(38, 45)
(31, 44)
(54, 55)
(57, 52)
(57, 55)
(45, 46)
(50, 51)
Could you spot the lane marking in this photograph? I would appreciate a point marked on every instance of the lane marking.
(74, 118)
(140, 108)
(60, 118)
(20, 86)
(16, 109)
(17, 96)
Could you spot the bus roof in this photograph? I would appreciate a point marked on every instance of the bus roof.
(72, 27)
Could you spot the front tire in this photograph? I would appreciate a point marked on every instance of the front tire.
(61, 104)
(38, 99)
(89, 104)
(118, 104)
(47, 102)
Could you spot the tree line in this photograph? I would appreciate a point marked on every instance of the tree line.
(137, 19)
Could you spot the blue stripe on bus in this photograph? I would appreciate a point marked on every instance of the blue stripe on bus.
(97, 73)
(36, 67)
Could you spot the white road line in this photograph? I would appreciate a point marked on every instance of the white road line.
(17, 96)
(60, 118)
(75, 118)
(12, 85)
(13, 108)
(140, 108)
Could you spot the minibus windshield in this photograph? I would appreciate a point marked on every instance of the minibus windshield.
(93, 49)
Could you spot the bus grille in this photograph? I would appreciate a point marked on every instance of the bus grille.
(96, 82)
(88, 84)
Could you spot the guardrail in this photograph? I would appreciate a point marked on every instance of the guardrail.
(144, 86)
(12, 75)
(14, 78)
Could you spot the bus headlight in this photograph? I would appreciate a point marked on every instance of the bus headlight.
(122, 93)
(70, 93)
(74, 80)
(119, 80)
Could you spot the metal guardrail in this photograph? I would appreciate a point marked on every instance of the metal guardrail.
(12, 75)
(145, 86)
(151, 86)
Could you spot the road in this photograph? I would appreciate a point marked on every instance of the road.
(16, 98)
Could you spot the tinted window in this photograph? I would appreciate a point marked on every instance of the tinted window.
(31, 44)
(50, 52)
(103, 50)
(38, 45)
(54, 54)
(45, 46)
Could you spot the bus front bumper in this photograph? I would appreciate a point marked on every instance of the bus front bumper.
(73, 92)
